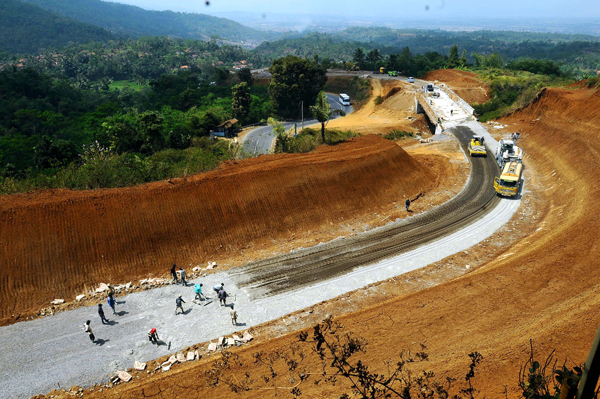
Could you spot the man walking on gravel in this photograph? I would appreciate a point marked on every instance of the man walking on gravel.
(182, 275)
(88, 329)
(233, 315)
(174, 273)
(407, 203)
(111, 302)
(179, 304)
(101, 313)
(222, 297)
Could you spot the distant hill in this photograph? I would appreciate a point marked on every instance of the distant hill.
(25, 28)
(136, 21)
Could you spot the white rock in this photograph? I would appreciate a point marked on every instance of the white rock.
(78, 298)
(57, 301)
(103, 287)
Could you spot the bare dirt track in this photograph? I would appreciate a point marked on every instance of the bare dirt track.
(466, 84)
(545, 287)
(395, 112)
(56, 243)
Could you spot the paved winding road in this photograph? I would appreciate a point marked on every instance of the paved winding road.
(312, 265)
(260, 140)
(43, 354)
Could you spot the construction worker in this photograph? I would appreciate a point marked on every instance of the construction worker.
(153, 336)
(88, 329)
(223, 297)
(233, 315)
(178, 302)
(218, 287)
(407, 203)
(174, 273)
(101, 313)
(111, 302)
(198, 291)
(182, 275)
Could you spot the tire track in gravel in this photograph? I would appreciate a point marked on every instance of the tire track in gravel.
(308, 266)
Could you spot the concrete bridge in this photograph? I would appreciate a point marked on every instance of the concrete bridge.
(442, 105)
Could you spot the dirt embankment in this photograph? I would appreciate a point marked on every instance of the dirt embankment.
(465, 84)
(396, 112)
(545, 287)
(55, 244)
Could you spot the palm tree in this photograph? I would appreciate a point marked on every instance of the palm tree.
(359, 57)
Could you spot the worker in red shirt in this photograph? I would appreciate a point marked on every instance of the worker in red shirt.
(153, 336)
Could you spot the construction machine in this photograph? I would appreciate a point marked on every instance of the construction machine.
(476, 146)
(506, 152)
(393, 73)
(510, 180)
(382, 70)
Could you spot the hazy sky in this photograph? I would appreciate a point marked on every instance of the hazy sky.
(389, 8)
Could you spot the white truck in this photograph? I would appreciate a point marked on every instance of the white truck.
(507, 151)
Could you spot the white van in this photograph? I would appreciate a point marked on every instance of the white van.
(410, 80)
(344, 99)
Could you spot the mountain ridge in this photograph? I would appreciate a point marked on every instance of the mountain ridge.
(136, 21)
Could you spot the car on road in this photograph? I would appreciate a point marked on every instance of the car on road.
(410, 80)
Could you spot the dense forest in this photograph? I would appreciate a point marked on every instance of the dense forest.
(25, 28)
(138, 60)
(577, 53)
(56, 134)
(135, 21)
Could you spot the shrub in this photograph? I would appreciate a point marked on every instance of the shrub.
(309, 139)
(397, 135)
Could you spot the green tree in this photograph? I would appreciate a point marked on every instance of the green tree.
(321, 111)
(463, 59)
(245, 75)
(373, 57)
(50, 153)
(295, 80)
(151, 131)
(453, 60)
(241, 101)
(359, 57)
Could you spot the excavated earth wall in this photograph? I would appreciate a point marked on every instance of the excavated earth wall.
(56, 244)
(545, 288)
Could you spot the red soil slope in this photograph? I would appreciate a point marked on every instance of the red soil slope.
(466, 84)
(546, 288)
(54, 244)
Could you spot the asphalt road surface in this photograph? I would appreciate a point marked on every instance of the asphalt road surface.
(260, 140)
(313, 265)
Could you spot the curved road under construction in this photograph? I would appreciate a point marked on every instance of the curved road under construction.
(312, 265)
(53, 352)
